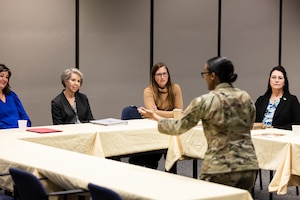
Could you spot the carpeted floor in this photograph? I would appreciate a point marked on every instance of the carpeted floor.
(185, 168)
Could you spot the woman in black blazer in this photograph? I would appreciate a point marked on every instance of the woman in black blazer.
(277, 107)
(70, 106)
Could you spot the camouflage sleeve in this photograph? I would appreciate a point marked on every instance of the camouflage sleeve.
(190, 117)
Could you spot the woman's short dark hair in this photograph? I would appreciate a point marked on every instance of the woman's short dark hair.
(3, 68)
(223, 68)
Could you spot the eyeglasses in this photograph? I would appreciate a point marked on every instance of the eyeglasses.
(202, 74)
(165, 74)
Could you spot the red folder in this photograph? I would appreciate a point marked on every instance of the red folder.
(43, 130)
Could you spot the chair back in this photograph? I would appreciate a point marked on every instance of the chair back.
(130, 112)
(101, 193)
(27, 185)
(5, 197)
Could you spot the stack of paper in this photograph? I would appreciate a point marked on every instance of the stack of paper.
(109, 121)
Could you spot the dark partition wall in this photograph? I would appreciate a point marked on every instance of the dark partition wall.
(37, 40)
(185, 36)
(114, 53)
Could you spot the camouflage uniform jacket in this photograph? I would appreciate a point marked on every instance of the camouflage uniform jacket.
(227, 115)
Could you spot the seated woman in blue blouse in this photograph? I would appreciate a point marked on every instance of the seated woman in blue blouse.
(11, 108)
(278, 108)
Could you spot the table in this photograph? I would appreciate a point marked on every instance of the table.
(279, 150)
(74, 157)
(276, 149)
(140, 135)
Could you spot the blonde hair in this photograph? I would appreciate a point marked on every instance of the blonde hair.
(67, 74)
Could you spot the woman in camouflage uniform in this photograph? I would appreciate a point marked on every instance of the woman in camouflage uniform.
(227, 115)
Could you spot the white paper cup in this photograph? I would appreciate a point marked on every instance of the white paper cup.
(22, 124)
(177, 113)
(296, 129)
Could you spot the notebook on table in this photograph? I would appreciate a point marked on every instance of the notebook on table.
(43, 130)
(109, 121)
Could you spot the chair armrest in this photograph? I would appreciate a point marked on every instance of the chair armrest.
(63, 192)
(4, 174)
(67, 192)
(43, 178)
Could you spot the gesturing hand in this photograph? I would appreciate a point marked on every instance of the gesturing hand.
(146, 113)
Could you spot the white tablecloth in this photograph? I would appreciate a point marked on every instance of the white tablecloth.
(65, 158)
(279, 150)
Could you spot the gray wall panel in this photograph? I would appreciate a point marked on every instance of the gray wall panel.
(291, 43)
(114, 53)
(37, 43)
(250, 38)
(37, 40)
(185, 36)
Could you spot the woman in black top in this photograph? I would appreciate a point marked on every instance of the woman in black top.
(277, 107)
(71, 106)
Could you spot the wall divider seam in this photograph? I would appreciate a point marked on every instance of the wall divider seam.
(280, 33)
(77, 34)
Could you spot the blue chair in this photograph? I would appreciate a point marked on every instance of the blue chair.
(3, 196)
(6, 197)
(130, 112)
(148, 159)
(101, 193)
(29, 187)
